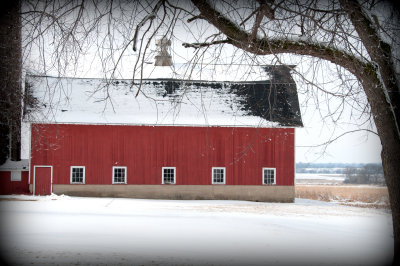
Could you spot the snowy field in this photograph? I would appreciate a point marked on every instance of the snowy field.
(59, 230)
(322, 179)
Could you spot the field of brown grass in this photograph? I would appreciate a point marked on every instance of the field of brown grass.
(353, 195)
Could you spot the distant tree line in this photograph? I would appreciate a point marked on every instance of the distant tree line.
(355, 173)
(302, 165)
(368, 174)
(324, 168)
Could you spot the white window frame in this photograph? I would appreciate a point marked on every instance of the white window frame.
(83, 179)
(126, 174)
(212, 176)
(16, 176)
(162, 175)
(268, 168)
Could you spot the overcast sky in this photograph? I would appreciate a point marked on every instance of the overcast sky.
(358, 147)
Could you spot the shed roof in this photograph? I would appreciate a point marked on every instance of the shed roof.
(22, 165)
(266, 103)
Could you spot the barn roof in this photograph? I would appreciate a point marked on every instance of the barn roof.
(265, 103)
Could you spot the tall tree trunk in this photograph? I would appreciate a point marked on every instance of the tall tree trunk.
(384, 98)
(10, 80)
(391, 167)
(387, 131)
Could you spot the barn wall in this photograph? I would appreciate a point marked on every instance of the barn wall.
(8, 187)
(144, 150)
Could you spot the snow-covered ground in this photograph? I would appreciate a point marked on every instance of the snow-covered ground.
(82, 231)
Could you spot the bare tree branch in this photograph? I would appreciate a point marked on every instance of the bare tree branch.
(150, 17)
(201, 45)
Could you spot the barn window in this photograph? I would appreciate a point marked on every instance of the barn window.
(168, 175)
(119, 175)
(218, 175)
(77, 174)
(15, 175)
(269, 176)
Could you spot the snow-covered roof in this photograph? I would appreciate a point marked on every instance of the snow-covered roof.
(15, 165)
(163, 102)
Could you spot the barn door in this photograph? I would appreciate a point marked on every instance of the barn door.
(43, 177)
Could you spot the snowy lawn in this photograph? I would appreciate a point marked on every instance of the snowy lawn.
(97, 231)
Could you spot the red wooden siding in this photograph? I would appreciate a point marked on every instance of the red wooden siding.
(144, 150)
(13, 187)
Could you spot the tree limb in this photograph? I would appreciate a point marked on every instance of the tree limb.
(257, 23)
(204, 44)
(380, 53)
(263, 46)
(266, 9)
(194, 18)
(150, 16)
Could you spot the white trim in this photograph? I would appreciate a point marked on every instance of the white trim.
(126, 174)
(51, 177)
(294, 155)
(268, 168)
(162, 175)
(30, 154)
(156, 125)
(212, 176)
(70, 176)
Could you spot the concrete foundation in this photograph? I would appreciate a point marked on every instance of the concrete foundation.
(182, 192)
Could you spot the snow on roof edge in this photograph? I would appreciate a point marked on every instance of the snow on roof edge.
(10, 165)
(272, 125)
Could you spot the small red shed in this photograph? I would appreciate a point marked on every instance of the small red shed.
(176, 140)
(14, 177)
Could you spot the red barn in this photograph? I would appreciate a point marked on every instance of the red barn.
(175, 140)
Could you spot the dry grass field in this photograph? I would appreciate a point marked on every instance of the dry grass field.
(353, 195)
